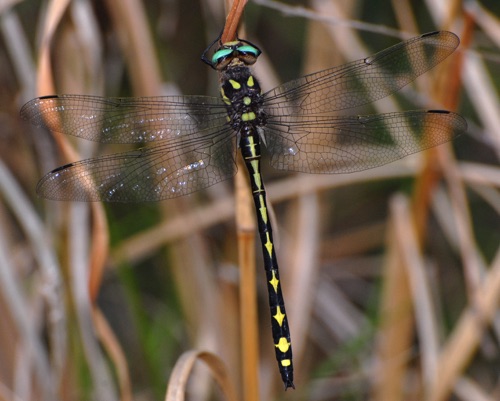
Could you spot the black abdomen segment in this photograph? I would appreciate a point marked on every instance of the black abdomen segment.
(250, 149)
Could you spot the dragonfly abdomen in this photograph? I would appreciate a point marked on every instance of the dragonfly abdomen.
(250, 149)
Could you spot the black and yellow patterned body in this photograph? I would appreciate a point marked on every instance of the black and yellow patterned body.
(241, 92)
(188, 143)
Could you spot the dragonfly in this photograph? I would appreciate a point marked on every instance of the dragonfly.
(188, 143)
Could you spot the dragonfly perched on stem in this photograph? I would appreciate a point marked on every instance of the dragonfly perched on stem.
(190, 142)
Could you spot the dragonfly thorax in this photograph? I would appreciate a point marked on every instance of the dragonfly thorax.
(240, 90)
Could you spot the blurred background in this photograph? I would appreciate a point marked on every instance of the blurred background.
(391, 275)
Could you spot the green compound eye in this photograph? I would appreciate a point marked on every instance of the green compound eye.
(220, 55)
(250, 50)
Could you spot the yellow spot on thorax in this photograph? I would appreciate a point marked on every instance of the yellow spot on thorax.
(247, 101)
(248, 116)
(235, 84)
(250, 81)
(283, 345)
(224, 97)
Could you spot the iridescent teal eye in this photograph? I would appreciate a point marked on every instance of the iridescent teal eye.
(247, 49)
(220, 55)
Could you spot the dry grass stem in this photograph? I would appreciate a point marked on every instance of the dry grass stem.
(178, 380)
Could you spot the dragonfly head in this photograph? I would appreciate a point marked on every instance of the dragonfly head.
(238, 52)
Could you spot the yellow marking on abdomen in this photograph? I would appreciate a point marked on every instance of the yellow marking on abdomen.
(279, 316)
(251, 146)
(283, 345)
(269, 245)
(274, 282)
(262, 209)
(256, 174)
(286, 362)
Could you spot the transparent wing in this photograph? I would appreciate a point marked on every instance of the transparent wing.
(167, 170)
(347, 144)
(125, 120)
(363, 81)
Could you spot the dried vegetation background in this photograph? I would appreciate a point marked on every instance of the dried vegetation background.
(391, 276)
